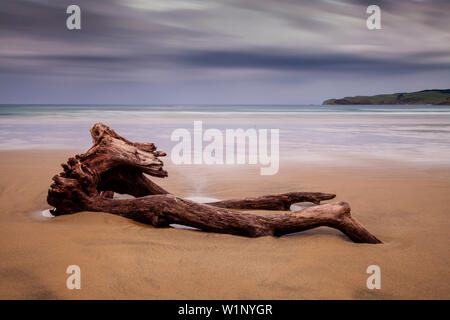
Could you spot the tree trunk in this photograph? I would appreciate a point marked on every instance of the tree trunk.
(114, 164)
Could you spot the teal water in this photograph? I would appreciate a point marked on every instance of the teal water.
(409, 134)
(131, 110)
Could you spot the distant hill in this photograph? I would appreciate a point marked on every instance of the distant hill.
(433, 97)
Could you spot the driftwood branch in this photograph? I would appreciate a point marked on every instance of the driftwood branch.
(114, 164)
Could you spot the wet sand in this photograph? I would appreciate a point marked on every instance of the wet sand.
(406, 207)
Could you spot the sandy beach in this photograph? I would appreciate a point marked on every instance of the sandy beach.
(239, 99)
(406, 207)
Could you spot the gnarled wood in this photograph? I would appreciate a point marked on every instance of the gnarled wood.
(114, 164)
(274, 201)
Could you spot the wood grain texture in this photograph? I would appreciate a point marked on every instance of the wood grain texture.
(115, 164)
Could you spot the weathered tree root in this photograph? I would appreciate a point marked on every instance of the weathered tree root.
(114, 164)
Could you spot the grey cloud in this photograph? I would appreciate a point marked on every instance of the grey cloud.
(240, 60)
(302, 62)
(227, 41)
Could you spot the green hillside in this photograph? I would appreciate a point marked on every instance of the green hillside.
(430, 97)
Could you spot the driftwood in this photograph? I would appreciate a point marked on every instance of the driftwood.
(114, 164)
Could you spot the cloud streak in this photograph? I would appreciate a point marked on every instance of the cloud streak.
(259, 43)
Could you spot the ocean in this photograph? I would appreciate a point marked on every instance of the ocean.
(413, 135)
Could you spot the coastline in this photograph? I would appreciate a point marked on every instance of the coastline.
(405, 206)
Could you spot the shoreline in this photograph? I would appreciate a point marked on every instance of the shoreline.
(350, 162)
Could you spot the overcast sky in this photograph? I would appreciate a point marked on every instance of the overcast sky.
(219, 51)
